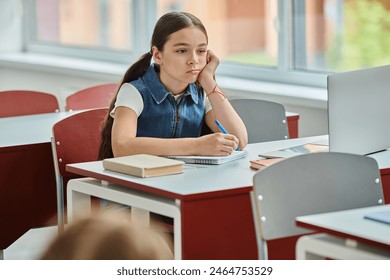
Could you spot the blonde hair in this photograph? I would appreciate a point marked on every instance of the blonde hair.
(108, 238)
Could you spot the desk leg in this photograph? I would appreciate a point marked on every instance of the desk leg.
(303, 246)
(78, 203)
(141, 216)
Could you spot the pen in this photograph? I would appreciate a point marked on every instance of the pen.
(224, 131)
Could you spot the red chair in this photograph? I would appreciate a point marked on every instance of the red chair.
(75, 139)
(26, 102)
(92, 97)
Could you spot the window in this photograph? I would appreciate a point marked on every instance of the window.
(343, 35)
(239, 31)
(84, 23)
(97, 29)
(288, 41)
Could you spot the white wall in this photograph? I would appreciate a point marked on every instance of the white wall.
(60, 85)
(11, 25)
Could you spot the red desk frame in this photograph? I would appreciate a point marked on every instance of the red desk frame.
(28, 190)
(292, 124)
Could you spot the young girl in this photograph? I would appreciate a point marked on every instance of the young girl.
(161, 108)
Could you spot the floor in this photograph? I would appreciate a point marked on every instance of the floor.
(31, 245)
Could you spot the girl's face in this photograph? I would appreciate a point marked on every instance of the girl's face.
(184, 56)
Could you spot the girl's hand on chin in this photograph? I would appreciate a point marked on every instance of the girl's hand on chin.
(208, 72)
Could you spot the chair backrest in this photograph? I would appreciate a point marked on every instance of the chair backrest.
(264, 120)
(26, 102)
(75, 139)
(98, 96)
(311, 184)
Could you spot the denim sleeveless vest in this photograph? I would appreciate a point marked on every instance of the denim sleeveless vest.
(162, 117)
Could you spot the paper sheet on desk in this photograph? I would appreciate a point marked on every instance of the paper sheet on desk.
(382, 216)
(296, 150)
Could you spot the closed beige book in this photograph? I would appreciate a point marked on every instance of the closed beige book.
(143, 165)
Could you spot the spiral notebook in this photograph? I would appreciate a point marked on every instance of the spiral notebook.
(210, 159)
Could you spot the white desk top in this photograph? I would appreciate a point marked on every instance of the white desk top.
(292, 114)
(382, 158)
(350, 223)
(30, 129)
(232, 176)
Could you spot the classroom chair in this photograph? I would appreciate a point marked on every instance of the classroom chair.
(26, 102)
(92, 97)
(75, 139)
(264, 120)
(310, 184)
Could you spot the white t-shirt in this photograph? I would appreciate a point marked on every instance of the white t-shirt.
(128, 96)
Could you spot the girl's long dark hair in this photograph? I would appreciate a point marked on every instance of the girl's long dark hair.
(165, 26)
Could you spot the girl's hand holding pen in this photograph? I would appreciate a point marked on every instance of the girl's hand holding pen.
(217, 144)
(224, 131)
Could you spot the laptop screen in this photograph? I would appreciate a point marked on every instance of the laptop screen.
(359, 111)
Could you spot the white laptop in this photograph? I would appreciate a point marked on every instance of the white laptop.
(359, 111)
